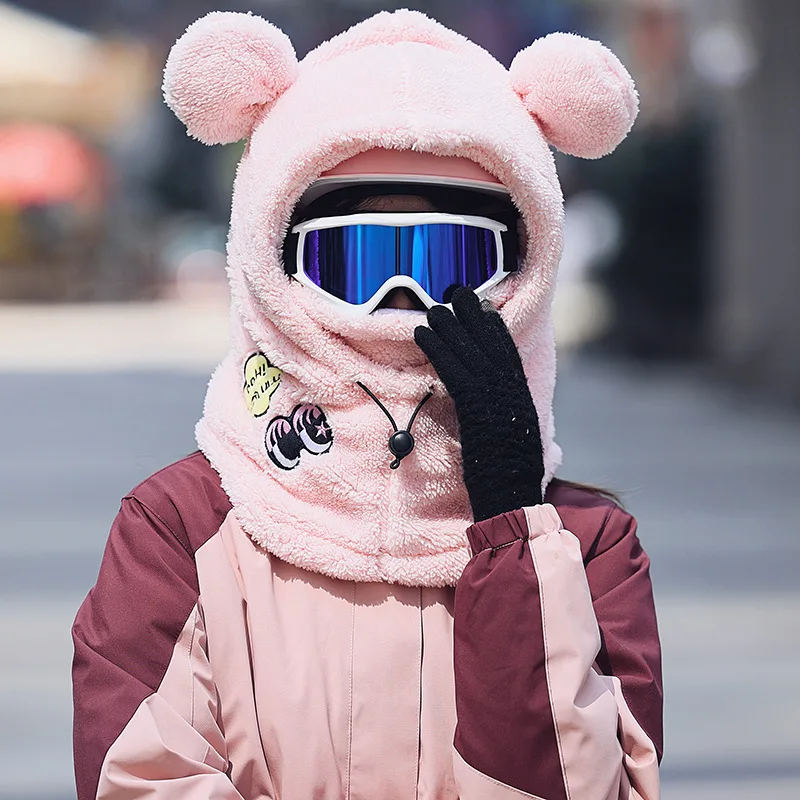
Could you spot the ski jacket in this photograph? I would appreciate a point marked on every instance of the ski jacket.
(205, 667)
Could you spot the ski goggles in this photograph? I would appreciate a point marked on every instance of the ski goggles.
(357, 259)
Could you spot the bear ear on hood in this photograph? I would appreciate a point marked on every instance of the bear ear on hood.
(578, 91)
(225, 72)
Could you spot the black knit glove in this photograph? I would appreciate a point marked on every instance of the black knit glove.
(477, 360)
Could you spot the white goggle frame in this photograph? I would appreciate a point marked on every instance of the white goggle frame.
(399, 220)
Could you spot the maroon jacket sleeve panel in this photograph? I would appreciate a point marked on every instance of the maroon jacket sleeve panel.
(618, 571)
(619, 580)
(126, 629)
(506, 728)
(502, 701)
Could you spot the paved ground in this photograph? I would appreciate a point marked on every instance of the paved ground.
(713, 479)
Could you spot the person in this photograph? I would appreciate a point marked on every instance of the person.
(660, 184)
(368, 582)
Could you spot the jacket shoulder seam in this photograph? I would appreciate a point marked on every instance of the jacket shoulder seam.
(147, 507)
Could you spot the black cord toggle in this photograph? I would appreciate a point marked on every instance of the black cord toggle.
(401, 442)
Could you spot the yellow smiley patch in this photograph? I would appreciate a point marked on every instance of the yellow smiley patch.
(261, 380)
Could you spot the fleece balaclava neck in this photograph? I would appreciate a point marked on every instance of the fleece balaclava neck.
(300, 447)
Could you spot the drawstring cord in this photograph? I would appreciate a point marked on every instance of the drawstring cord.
(401, 442)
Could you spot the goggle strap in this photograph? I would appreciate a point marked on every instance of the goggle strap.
(290, 244)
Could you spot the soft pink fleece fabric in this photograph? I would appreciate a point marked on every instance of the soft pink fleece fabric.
(398, 81)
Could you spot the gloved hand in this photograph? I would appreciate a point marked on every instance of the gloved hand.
(478, 362)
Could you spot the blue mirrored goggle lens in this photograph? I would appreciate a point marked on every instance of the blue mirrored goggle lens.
(353, 261)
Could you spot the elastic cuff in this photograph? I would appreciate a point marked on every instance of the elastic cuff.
(496, 532)
(513, 526)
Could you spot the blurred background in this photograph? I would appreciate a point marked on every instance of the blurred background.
(676, 315)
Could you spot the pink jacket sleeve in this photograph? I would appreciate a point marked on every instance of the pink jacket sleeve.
(557, 663)
(146, 716)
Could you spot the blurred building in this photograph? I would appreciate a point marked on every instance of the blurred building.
(757, 325)
(65, 95)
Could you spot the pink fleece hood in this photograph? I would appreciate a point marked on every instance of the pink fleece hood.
(301, 450)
